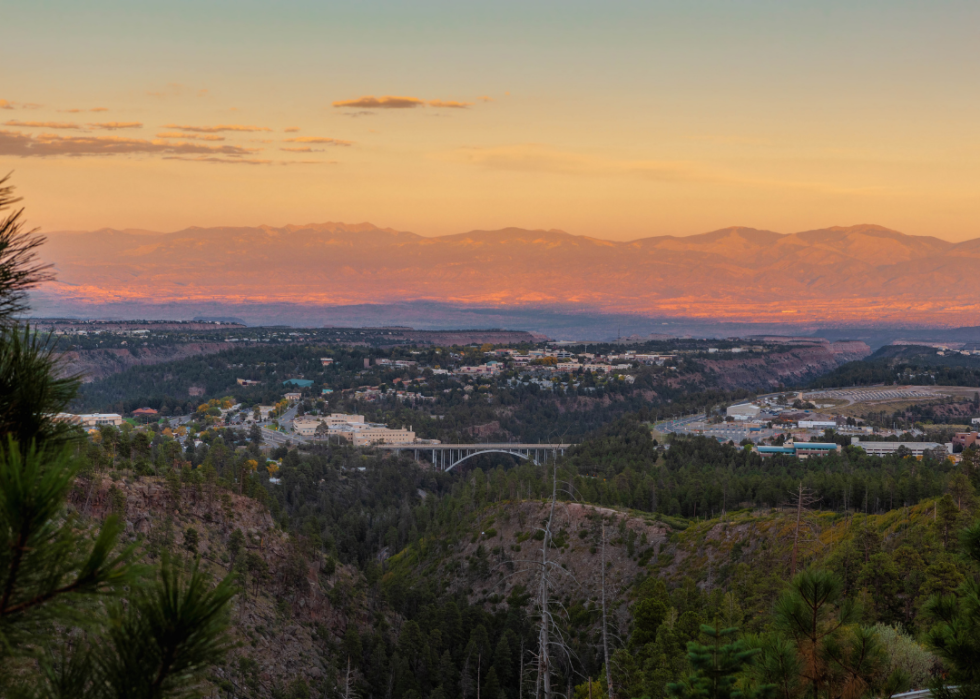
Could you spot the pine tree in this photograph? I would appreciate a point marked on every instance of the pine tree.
(62, 589)
(956, 634)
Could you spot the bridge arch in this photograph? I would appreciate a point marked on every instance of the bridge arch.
(456, 463)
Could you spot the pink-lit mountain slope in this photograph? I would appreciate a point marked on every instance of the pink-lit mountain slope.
(857, 274)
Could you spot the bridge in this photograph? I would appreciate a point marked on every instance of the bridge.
(446, 457)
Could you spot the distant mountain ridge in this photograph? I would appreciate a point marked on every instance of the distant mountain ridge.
(863, 273)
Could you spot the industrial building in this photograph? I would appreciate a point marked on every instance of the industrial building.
(801, 450)
(886, 448)
(743, 411)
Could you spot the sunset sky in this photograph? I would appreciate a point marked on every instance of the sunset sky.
(616, 120)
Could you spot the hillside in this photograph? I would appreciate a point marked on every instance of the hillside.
(844, 275)
(415, 576)
(285, 592)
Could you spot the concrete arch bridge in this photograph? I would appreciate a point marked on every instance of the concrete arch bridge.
(446, 457)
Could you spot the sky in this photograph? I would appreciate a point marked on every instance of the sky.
(617, 120)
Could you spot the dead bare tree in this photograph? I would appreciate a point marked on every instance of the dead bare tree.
(544, 661)
(804, 499)
(605, 634)
(349, 692)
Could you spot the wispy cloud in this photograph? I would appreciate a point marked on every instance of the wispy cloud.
(449, 105)
(42, 124)
(49, 145)
(533, 157)
(115, 125)
(484, 98)
(537, 158)
(291, 129)
(193, 136)
(386, 102)
(98, 109)
(7, 104)
(306, 149)
(218, 128)
(319, 139)
(216, 159)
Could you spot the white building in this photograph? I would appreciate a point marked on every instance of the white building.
(743, 411)
(886, 448)
(817, 424)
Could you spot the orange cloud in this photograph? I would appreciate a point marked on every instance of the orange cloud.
(114, 125)
(449, 105)
(7, 104)
(194, 136)
(291, 129)
(42, 124)
(307, 149)
(484, 98)
(319, 139)
(214, 159)
(386, 102)
(47, 145)
(220, 127)
(98, 109)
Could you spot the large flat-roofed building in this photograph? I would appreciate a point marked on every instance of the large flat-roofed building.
(743, 411)
(887, 448)
(368, 434)
(801, 450)
(307, 424)
(99, 419)
(964, 440)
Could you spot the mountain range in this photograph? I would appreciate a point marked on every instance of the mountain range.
(857, 274)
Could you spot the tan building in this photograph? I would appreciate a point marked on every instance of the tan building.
(307, 424)
(370, 434)
(91, 420)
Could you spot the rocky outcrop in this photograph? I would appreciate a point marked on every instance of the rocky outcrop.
(797, 365)
(99, 363)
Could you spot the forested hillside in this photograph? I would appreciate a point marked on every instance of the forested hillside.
(392, 580)
(907, 365)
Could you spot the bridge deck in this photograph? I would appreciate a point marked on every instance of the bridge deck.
(483, 445)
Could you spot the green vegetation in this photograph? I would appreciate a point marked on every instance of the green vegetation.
(78, 615)
(907, 365)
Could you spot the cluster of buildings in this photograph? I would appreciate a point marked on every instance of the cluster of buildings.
(351, 428)
(90, 420)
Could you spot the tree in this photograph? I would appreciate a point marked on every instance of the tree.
(956, 634)
(946, 517)
(812, 613)
(62, 585)
(236, 542)
(716, 667)
(191, 540)
(19, 268)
